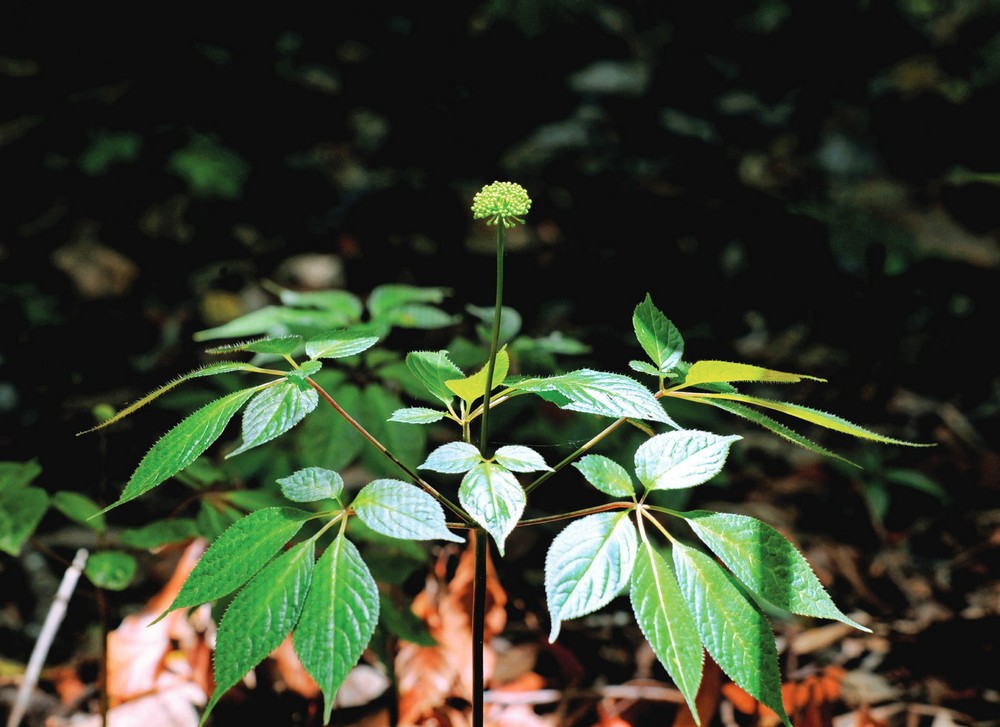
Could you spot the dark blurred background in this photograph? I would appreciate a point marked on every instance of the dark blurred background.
(810, 186)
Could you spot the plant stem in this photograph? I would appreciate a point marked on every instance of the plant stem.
(494, 342)
(479, 625)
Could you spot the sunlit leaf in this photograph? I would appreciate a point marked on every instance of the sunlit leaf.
(518, 458)
(338, 619)
(273, 411)
(685, 458)
(494, 498)
(401, 510)
(666, 622)
(338, 344)
(417, 415)
(587, 565)
(597, 392)
(766, 562)
(473, 387)
(281, 346)
(711, 372)
(606, 475)
(735, 632)
(453, 457)
(659, 338)
(432, 369)
(311, 484)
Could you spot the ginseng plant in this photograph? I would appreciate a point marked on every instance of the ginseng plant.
(294, 569)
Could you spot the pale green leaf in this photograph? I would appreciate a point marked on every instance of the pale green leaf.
(813, 416)
(386, 297)
(518, 458)
(400, 510)
(298, 376)
(666, 622)
(273, 411)
(21, 509)
(79, 508)
(676, 460)
(494, 498)
(598, 392)
(281, 346)
(606, 475)
(644, 368)
(473, 387)
(238, 554)
(418, 316)
(221, 367)
(260, 617)
(735, 632)
(338, 344)
(453, 457)
(417, 415)
(587, 565)
(310, 484)
(432, 369)
(766, 562)
(659, 338)
(338, 620)
(182, 445)
(15, 475)
(111, 570)
(159, 532)
(510, 322)
(712, 372)
(275, 321)
(347, 306)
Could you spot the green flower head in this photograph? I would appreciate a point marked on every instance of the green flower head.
(503, 202)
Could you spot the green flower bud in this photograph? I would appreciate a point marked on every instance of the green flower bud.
(504, 202)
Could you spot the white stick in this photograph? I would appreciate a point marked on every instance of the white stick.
(52, 620)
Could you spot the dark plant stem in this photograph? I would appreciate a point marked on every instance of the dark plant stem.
(480, 535)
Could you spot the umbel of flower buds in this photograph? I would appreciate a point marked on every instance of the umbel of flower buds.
(501, 202)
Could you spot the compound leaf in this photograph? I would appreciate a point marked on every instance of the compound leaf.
(659, 338)
(400, 510)
(598, 392)
(685, 458)
(494, 498)
(273, 411)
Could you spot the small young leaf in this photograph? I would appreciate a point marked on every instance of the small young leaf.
(597, 392)
(298, 376)
(494, 498)
(587, 565)
(281, 346)
(667, 623)
(453, 457)
(273, 411)
(471, 388)
(518, 458)
(606, 475)
(644, 368)
(675, 460)
(182, 445)
(417, 415)
(21, 509)
(766, 562)
(260, 617)
(79, 508)
(339, 344)
(659, 338)
(735, 632)
(400, 510)
(111, 570)
(338, 620)
(311, 484)
(238, 554)
(814, 416)
(712, 372)
(432, 369)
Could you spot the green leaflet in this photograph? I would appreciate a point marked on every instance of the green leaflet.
(273, 411)
(494, 498)
(587, 565)
(685, 458)
(79, 508)
(659, 338)
(417, 316)
(417, 415)
(238, 554)
(510, 322)
(338, 619)
(606, 475)
(401, 510)
(384, 298)
(111, 570)
(453, 458)
(182, 445)
(813, 416)
(15, 475)
(712, 372)
(666, 622)
(766, 562)
(347, 306)
(281, 346)
(276, 320)
(159, 532)
(432, 369)
(518, 458)
(21, 509)
(598, 392)
(473, 387)
(260, 617)
(311, 484)
(338, 344)
(735, 632)
(221, 367)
